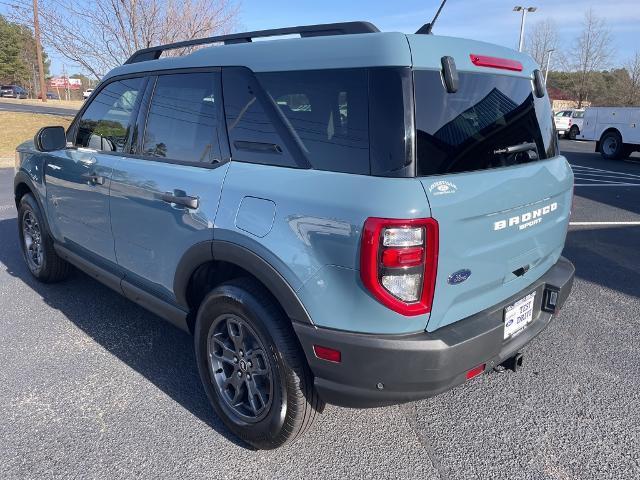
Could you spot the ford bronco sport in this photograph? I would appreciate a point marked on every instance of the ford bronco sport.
(352, 217)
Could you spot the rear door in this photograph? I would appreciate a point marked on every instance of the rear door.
(488, 160)
(164, 196)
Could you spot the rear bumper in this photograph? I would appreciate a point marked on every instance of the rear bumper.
(415, 366)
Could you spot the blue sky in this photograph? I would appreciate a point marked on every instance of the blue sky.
(488, 20)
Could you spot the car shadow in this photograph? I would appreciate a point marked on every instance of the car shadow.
(160, 352)
(606, 256)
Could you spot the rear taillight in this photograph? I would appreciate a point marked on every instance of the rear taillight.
(398, 262)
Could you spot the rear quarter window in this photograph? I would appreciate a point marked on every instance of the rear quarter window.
(328, 111)
(316, 119)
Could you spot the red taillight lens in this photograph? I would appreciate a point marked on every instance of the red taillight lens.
(402, 257)
(326, 353)
(495, 62)
(398, 262)
(474, 372)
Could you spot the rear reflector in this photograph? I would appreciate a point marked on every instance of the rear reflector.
(474, 372)
(495, 62)
(326, 353)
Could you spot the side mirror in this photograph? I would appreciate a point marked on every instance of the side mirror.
(49, 139)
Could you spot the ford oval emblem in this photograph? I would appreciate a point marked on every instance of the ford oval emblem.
(458, 277)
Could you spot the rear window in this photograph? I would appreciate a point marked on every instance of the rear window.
(492, 121)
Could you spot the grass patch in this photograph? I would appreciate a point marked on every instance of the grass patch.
(18, 127)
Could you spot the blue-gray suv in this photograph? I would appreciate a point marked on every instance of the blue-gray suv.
(351, 217)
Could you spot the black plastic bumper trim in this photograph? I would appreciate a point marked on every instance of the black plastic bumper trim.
(378, 370)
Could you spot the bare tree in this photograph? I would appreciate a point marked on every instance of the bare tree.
(632, 87)
(592, 51)
(542, 37)
(102, 34)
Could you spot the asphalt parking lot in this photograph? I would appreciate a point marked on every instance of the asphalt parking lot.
(92, 386)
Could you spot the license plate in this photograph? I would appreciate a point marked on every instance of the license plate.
(518, 315)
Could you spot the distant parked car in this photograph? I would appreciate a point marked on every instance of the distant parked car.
(13, 91)
(569, 122)
(87, 93)
(50, 96)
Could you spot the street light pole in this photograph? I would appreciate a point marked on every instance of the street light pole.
(36, 31)
(524, 11)
(546, 72)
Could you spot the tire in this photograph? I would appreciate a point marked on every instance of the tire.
(37, 245)
(573, 132)
(244, 344)
(611, 146)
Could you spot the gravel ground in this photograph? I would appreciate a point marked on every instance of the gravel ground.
(95, 387)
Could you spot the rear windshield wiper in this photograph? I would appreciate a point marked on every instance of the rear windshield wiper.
(523, 147)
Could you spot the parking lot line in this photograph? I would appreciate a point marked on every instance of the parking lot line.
(582, 224)
(587, 170)
(600, 177)
(607, 185)
(603, 175)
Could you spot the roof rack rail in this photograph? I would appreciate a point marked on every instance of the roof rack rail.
(346, 28)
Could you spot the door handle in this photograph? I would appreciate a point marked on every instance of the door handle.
(94, 179)
(184, 200)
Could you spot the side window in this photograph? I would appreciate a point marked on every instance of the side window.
(329, 112)
(256, 132)
(105, 123)
(322, 116)
(182, 123)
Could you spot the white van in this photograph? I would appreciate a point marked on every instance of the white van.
(616, 130)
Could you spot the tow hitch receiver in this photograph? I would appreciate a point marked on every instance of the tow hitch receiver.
(512, 363)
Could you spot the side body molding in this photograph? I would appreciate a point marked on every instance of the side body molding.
(246, 259)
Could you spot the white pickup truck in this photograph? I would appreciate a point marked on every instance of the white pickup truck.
(616, 130)
(569, 122)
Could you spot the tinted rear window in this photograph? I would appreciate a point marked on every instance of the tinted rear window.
(491, 121)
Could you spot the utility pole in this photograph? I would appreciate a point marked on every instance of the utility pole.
(546, 72)
(524, 11)
(36, 28)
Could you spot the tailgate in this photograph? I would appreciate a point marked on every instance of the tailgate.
(487, 156)
(506, 228)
